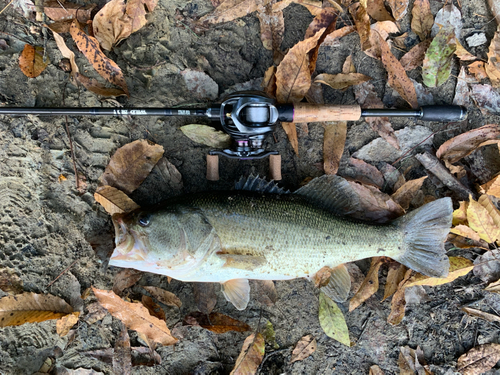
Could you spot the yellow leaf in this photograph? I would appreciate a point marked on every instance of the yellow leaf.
(460, 214)
(114, 201)
(465, 231)
(135, 316)
(492, 187)
(369, 286)
(332, 320)
(481, 221)
(458, 267)
(493, 65)
(31, 308)
(64, 324)
(251, 355)
(486, 202)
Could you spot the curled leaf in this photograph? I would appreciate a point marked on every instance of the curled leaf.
(64, 324)
(207, 135)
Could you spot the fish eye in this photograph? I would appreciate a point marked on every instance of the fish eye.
(144, 220)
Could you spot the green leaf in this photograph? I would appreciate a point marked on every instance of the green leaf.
(332, 320)
(438, 58)
(206, 135)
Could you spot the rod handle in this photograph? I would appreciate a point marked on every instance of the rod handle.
(305, 112)
(444, 113)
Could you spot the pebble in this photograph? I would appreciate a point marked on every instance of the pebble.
(476, 40)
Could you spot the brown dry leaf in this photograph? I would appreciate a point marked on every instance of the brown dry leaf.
(464, 144)
(206, 135)
(398, 303)
(10, 282)
(422, 19)
(122, 354)
(492, 187)
(495, 10)
(265, 291)
(463, 54)
(384, 29)
(304, 348)
(394, 276)
(313, 6)
(367, 98)
(31, 61)
(125, 279)
(487, 203)
(481, 221)
(400, 41)
(131, 164)
(465, 231)
(481, 314)
(477, 68)
(407, 192)
(348, 66)
(272, 27)
(114, 201)
(399, 8)
(333, 38)
(466, 243)
(327, 19)
(106, 67)
(135, 316)
(376, 9)
(171, 176)
(494, 287)
(460, 214)
(412, 362)
(93, 85)
(362, 22)
(398, 79)
(251, 355)
(64, 324)
(414, 58)
(479, 359)
(137, 10)
(322, 277)
(164, 296)
(493, 65)
(341, 81)
(65, 51)
(369, 286)
(216, 322)
(95, 312)
(69, 11)
(293, 77)
(458, 267)
(153, 308)
(229, 10)
(291, 132)
(375, 370)
(333, 145)
(268, 83)
(365, 173)
(30, 308)
(205, 297)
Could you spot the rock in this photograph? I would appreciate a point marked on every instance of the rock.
(476, 40)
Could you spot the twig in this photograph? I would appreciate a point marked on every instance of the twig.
(1, 11)
(77, 180)
(67, 268)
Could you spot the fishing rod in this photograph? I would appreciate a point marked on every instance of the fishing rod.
(249, 116)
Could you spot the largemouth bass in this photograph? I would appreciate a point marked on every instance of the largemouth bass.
(230, 237)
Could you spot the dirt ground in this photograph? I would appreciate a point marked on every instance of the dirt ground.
(46, 224)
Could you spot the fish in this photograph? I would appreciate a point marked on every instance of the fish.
(261, 232)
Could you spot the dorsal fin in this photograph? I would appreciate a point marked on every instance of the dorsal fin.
(332, 193)
(259, 185)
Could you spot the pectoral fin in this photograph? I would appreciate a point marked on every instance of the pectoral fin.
(339, 285)
(237, 291)
(242, 262)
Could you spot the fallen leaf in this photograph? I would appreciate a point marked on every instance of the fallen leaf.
(458, 267)
(291, 132)
(383, 29)
(400, 41)
(462, 91)
(493, 287)
(106, 67)
(293, 77)
(422, 19)
(487, 266)
(492, 187)
(64, 324)
(164, 296)
(448, 17)
(367, 98)
(395, 274)
(465, 242)
(229, 10)
(493, 65)
(479, 359)
(438, 58)
(333, 38)
(348, 66)
(251, 355)
(462, 53)
(481, 314)
(10, 282)
(332, 320)
(326, 19)
(412, 361)
(153, 308)
(93, 85)
(465, 231)
(464, 144)
(125, 279)
(407, 192)
(31, 308)
(365, 173)
(333, 145)
(341, 81)
(486, 98)
(207, 135)
(487, 203)
(137, 9)
(369, 286)
(313, 6)
(111, 24)
(65, 51)
(205, 297)
(398, 302)
(398, 7)
(480, 220)
(376, 9)
(217, 322)
(131, 164)
(375, 370)
(135, 316)
(272, 27)
(270, 335)
(200, 84)
(397, 79)
(265, 291)
(122, 355)
(114, 201)
(95, 312)
(495, 10)
(31, 61)
(415, 57)
(269, 81)
(69, 11)
(478, 69)
(362, 22)
(304, 348)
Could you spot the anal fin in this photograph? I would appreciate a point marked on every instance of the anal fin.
(339, 285)
(237, 291)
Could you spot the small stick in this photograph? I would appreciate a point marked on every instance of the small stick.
(1, 11)
(72, 153)
(67, 268)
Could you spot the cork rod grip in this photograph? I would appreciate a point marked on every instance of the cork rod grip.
(304, 112)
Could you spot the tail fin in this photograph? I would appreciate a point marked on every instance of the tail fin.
(425, 231)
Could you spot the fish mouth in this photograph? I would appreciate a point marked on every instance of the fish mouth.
(124, 240)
